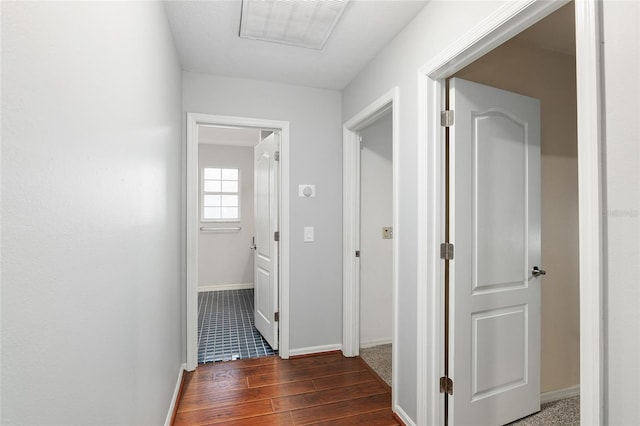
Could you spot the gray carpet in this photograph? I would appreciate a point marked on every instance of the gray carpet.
(379, 359)
(564, 412)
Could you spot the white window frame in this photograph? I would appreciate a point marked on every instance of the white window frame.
(237, 193)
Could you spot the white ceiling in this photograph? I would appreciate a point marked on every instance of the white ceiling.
(206, 34)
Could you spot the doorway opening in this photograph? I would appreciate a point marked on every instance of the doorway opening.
(540, 63)
(237, 238)
(376, 248)
(537, 66)
(371, 233)
(226, 245)
(561, 174)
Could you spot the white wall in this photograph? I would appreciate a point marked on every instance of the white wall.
(226, 257)
(436, 26)
(621, 24)
(316, 158)
(376, 212)
(91, 187)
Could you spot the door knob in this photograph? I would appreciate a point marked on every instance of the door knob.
(536, 272)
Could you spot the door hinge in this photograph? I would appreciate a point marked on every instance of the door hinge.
(276, 236)
(446, 118)
(446, 385)
(446, 251)
(357, 253)
(277, 155)
(276, 316)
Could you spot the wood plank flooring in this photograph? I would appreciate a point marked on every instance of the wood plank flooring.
(318, 390)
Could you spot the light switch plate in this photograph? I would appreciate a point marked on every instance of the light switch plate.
(306, 190)
(308, 234)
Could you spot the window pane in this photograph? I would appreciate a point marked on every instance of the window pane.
(229, 201)
(229, 212)
(229, 186)
(210, 173)
(212, 186)
(229, 174)
(212, 201)
(212, 213)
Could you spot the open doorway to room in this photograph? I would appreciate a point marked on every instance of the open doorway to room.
(539, 63)
(371, 229)
(237, 229)
(376, 248)
(226, 245)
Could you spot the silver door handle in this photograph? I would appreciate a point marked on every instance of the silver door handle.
(253, 244)
(536, 272)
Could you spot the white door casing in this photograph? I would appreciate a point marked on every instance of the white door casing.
(495, 228)
(266, 246)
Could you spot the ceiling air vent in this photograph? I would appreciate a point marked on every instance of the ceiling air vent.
(303, 23)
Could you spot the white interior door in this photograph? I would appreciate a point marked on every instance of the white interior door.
(494, 355)
(266, 244)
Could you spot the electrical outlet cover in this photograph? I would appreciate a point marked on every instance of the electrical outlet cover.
(387, 233)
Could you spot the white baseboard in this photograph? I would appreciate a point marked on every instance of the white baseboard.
(221, 287)
(174, 398)
(403, 416)
(559, 394)
(314, 350)
(375, 342)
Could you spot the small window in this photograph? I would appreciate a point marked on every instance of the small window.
(220, 194)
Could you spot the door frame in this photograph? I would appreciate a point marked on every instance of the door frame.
(508, 21)
(192, 222)
(351, 225)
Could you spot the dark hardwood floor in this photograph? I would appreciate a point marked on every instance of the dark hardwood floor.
(317, 390)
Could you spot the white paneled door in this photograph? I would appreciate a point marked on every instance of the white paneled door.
(494, 353)
(266, 245)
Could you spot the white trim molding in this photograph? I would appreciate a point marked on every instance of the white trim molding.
(174, 398)
(374, 343)
(351, 238)
(511, 19)
(192, 222)
(314, 350)
(222, 287)
(351, 224)
(404, 417)
(590, 207)
(559, 394)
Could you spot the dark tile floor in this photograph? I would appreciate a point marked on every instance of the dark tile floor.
(225, 327)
